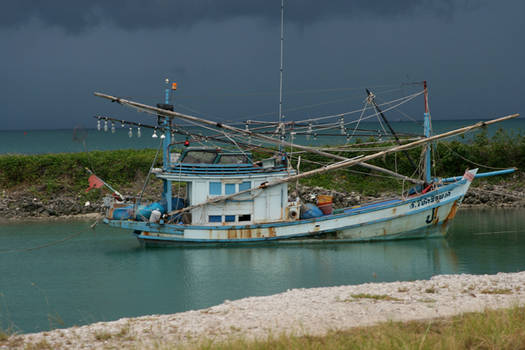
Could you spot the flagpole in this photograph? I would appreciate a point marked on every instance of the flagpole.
(107, 185)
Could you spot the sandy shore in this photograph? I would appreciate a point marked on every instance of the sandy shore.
(298, 311)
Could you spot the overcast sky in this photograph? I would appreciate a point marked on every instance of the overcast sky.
(224, 55)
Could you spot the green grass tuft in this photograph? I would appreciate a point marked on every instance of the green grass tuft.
(497, 291)
(375, 297)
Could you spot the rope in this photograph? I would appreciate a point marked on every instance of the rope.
(333, 101)
(50, 244)
(147, 177)
(470, 161)
(403, 101)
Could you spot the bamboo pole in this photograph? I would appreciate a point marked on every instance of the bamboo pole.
(352, 161)
(160, 111)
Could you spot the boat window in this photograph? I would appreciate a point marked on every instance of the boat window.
(214, 218)
(229, 188)
(215, 188)
(199, 157)
(233, 159)
(246, 217)
(229, 218)
(245, 186)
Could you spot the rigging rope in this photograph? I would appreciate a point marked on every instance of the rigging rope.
(470, 161)
(147, 177)
(19, 250)
(321, 104)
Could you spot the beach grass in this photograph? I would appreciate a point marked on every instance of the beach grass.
(492, 329)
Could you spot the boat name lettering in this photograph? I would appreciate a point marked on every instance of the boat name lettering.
(428, 200)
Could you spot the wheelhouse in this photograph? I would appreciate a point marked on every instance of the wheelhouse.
(199, 174)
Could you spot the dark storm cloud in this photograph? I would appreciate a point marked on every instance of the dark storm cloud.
(140, 14)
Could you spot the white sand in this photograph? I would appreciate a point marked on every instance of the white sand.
(298, 311)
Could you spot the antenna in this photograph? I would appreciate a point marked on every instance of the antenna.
(281, 78)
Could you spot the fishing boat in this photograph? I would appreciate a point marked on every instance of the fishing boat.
(230, 198)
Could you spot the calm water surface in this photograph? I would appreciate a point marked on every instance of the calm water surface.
(104, 274)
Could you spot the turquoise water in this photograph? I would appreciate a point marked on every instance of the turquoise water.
(56, 141)
(105, 275)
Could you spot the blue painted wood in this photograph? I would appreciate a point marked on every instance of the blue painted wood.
(487, 174)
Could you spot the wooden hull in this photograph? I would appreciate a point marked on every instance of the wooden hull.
(426, 215)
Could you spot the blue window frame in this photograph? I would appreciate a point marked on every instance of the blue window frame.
(245, 186)
(230, 188)
(229, 218)
(215, 218)
(215, 188)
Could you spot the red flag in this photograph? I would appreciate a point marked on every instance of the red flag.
(94, 182)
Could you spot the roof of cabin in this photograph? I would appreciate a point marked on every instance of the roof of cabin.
(217, 161)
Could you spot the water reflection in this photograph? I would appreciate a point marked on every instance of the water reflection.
(106, 275)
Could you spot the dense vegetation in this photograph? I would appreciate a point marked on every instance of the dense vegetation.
(51, 174)
(65, 173)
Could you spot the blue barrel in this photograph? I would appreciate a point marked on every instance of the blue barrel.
(123, 213)
(310, 210)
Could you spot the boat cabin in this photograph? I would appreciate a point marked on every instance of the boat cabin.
(210, 172)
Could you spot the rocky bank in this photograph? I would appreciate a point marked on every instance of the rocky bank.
(20, 204)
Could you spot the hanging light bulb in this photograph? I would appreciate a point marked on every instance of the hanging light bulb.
(98, 125)
(130, 133)
(122, 123)
(347, 138)
(342, 125)
(154, 134)
(163, 136)
(246, 127)
(105, 125)
(139, 133)
(112, 127)
(315, 136)
(309, 131)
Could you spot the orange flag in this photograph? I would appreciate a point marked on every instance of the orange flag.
(94, 182)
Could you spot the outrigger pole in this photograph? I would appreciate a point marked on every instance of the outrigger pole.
(171, 114)
(350, 162)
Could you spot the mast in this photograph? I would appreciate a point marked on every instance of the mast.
(427, 126)
(166, 136)
(167, 133)
(378, 110)
(282, 131)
